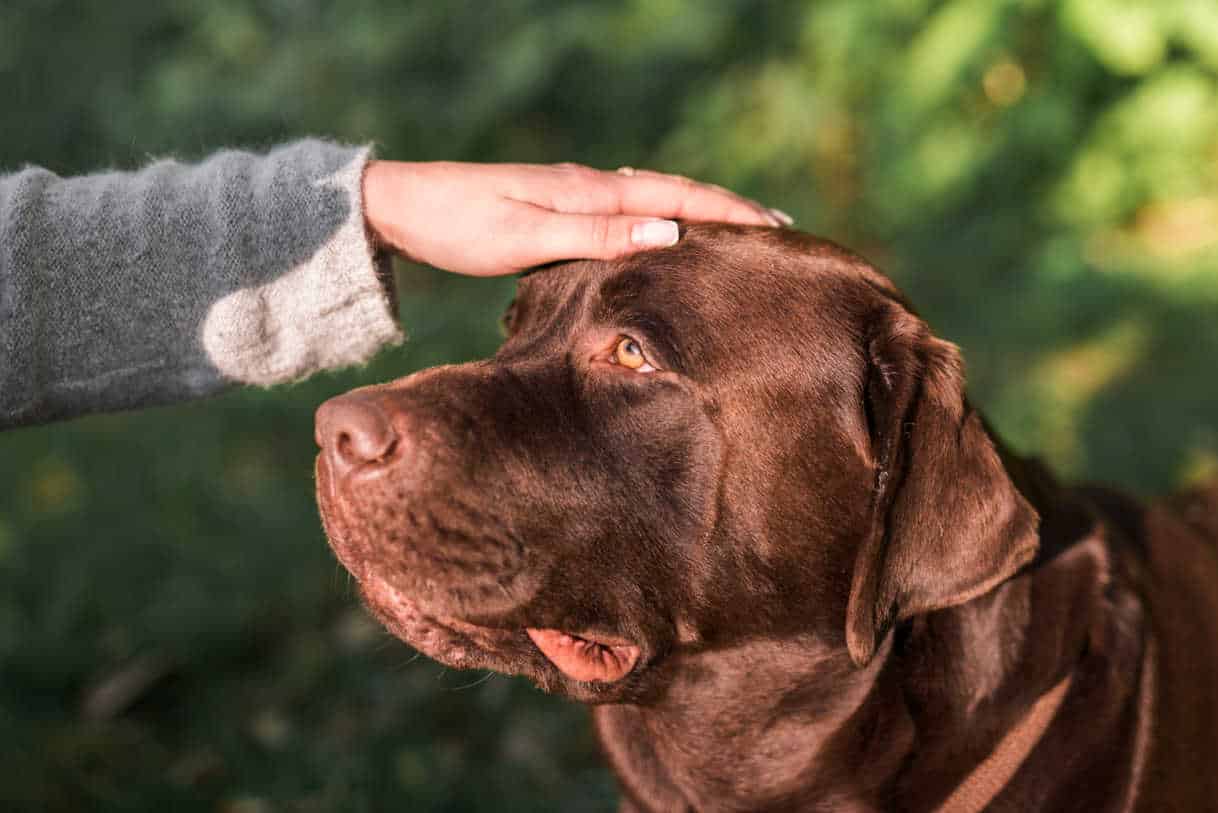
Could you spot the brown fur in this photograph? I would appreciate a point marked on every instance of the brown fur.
(844, 591)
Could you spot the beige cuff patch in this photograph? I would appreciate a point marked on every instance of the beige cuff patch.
(329, 311)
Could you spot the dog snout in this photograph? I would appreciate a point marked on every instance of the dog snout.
(353, 430)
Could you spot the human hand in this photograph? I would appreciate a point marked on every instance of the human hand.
(491, 219)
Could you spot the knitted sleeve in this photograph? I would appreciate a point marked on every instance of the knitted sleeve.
(122, 290)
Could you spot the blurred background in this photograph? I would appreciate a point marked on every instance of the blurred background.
(1040, 175)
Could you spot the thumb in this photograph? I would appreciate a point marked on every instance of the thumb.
(601, 237)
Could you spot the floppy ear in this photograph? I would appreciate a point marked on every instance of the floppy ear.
(947, 522)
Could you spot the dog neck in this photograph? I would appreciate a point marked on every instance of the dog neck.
(792, 724)
(765, 725)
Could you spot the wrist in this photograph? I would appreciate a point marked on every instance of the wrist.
(372, 194)
(387, 193)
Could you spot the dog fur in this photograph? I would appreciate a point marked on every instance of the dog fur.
(836, 589)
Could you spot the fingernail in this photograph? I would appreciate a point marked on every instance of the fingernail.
(626, 170)
(654, 233)
(781, 216)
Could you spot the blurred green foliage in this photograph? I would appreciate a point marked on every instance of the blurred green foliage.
(1040, 175)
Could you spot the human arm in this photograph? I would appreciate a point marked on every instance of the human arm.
(129, 289)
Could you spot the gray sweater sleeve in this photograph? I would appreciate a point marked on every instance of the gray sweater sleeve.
(122, 290)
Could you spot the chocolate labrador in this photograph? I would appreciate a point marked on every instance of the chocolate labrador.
(731, 492)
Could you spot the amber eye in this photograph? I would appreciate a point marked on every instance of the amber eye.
(629, 354)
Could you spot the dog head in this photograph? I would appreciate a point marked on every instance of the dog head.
(747, 435)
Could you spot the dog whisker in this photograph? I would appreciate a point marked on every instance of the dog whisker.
(474, 683)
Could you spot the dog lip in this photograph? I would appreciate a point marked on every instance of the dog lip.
(589, 657)
(448, 639)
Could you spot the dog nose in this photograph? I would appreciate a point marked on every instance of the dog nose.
(353, 430)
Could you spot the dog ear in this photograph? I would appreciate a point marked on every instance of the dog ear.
(947, 522)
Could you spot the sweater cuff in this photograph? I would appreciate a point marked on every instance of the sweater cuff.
(334, 309)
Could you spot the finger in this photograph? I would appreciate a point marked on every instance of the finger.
(577, 189)
(642, 191)
(595, 237)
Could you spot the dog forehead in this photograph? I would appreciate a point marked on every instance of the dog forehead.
(723, 300)
(712, 263)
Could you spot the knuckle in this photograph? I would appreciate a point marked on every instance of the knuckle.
(576, 169)
(601, 229)
(592, 193)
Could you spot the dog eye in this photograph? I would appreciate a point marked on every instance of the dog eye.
(629, 354)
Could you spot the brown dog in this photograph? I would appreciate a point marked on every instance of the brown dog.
(732, 492)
